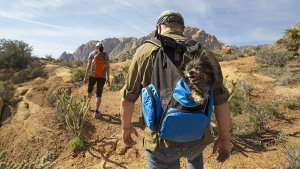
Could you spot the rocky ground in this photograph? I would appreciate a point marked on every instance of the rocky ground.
(34, 131)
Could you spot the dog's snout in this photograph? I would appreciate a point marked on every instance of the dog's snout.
(192, 72)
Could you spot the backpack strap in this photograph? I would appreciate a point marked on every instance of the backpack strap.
(154, 41)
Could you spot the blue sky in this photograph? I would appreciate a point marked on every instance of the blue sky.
(54, 26)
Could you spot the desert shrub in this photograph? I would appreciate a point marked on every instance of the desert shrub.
(66, 63)
(292, 103)
(292, 154)
(271, 109)
(15, 54)
(284, 75)
(51, 100)
(77, 74)
(70, 63)
(249, 51)
(221, 55)
(44, 164)
(272, 57)
(292, 37)
(49, 58)
(75, 109)
(118, 80)
(287, 78)
(5, 88)
(258, 119)
(260, 115)
(273, 71)
(76, 143)
(239, 96)
(35, 69)
(78, 63)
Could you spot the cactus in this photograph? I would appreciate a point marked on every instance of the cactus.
(23, 165)
(75, 109)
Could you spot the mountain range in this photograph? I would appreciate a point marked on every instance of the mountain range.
(123, 48)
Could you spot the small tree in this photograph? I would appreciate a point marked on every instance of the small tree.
(294, 35)
(14, 53)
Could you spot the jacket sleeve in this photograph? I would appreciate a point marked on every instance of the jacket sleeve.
(221, 94)
(139, 73)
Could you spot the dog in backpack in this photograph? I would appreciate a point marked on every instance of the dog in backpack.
(200, 75)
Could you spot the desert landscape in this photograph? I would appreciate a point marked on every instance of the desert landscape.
(264, 83)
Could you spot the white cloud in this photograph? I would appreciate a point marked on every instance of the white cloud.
(64, 24)
(31, 8)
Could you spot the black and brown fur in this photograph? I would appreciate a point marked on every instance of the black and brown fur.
(200, 73)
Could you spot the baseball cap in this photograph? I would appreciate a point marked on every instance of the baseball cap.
(99, 44)
(170, 16)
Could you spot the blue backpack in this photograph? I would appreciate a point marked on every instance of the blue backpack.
(166, 107)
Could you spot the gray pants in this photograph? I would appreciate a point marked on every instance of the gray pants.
(170, 158)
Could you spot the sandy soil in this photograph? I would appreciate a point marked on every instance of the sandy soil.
(39, 133)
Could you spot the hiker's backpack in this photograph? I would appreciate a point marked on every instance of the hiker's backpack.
(100, 64)
(166, 107)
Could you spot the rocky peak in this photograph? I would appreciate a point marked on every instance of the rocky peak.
(66, 56)
(122, 48)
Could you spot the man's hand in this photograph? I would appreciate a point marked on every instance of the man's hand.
(108, 81)
(85, 80)
(224, 149)
(126, 133)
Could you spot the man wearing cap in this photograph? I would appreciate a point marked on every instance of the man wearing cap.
(168, 154)
(93, 76)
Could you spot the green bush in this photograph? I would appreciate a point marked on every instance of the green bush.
(258, 119)
(287, 78)
(272, 57)
(44, 164)
(77, 74)
(5, 88)
(239, 96)
(118, 80)
(249, 51)
(222, 56)
(292, 103)
(284, 75)
(49, 58)
(76, 143)
(292, 37)
(271, 109)
(35, 69)
(51, 100)
(15, 54)
(292, 154)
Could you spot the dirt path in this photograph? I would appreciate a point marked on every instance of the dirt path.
(40, 133)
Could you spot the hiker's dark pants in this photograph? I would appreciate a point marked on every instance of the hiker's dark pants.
(99, 88)
(170, 158)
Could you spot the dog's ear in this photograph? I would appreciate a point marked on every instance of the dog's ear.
(209, 59)
(186, 58)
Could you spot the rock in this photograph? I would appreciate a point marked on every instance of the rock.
(123, 48)
(19, 77)
(6, 114)
(67, 56)
(21, 91)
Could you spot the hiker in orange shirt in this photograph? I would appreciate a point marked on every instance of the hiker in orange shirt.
(97, 71)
